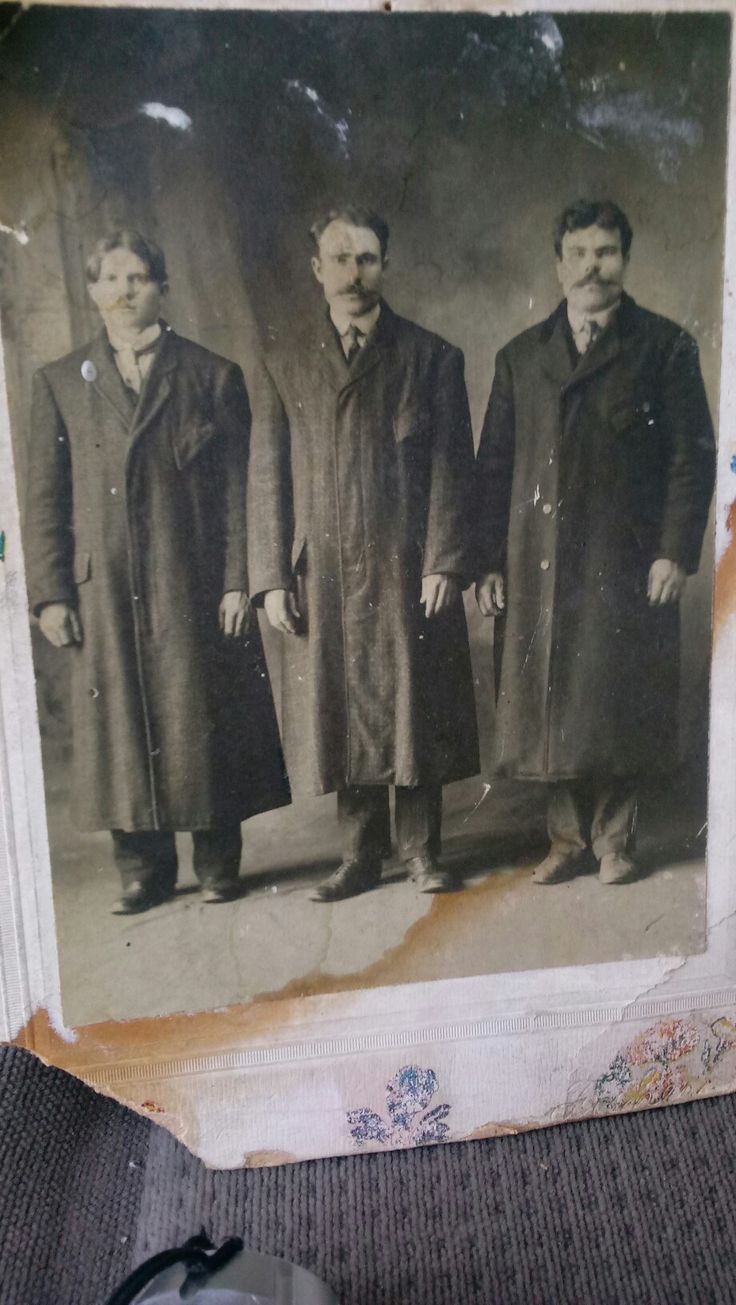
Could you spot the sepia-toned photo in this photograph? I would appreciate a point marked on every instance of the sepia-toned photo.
(363, 379)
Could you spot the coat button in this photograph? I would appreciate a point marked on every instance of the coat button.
(544, 564)
(89, 371)
(547, 509)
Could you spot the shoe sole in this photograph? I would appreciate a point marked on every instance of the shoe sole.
(556, 879)
(139, 910)
(316, 896)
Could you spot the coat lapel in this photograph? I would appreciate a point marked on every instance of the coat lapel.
(332, 361)
(334, 365)
(374, 351)
(136, 413)
(556, 359)
(600, 354)
(156, 388)
(108, 382)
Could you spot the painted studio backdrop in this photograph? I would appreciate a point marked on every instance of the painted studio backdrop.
(222, 136)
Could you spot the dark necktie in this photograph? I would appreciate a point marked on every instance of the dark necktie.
(354, 338)
(588, 335)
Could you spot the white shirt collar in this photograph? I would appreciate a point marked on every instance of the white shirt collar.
(579, 319)
(137, 342)
(365, 324)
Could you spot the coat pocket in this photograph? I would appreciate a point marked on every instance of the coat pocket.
(190, 439)
(632, 418)
(82, 567)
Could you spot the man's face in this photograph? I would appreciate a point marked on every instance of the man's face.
(592, 268)
(349, 267)
(127, 298)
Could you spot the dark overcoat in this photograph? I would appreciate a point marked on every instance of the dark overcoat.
(136, 516)
(359, 486)
(588, 470)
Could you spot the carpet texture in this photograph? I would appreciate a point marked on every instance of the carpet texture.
(639, 1209)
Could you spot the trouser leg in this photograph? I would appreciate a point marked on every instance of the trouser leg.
(419, 821)
(216, 855)
(364, 818)
(146, 856)
(614, 817)
(569, 813)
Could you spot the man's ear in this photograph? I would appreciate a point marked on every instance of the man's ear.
(558, 269)
(92, 291)
(317, 268)
(164, 288)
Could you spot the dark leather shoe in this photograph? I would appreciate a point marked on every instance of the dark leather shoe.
(618, 868)
(138, 897)
(212, 894)
(350, 879)
(428, 877)
(557, 867)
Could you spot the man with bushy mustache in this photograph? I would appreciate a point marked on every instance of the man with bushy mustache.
(360, 474)
(594, 478)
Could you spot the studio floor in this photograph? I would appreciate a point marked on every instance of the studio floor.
(273, 941)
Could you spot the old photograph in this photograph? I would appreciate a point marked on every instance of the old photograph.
(363, 377)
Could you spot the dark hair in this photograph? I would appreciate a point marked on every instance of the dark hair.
(357, 217)
(593, 213)
(147, 250)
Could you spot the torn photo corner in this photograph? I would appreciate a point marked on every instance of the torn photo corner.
(367, 720)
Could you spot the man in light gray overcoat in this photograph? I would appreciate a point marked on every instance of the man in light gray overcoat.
(358, 540)
(135, 546)
(595, 473)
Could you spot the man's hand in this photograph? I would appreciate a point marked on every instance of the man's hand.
(666, 583)
(234, 613)
(439, 592)
(490, 594)
(282, 611)
(60, 624)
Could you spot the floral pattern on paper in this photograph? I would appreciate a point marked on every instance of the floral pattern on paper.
(675, 1060)
(409, 1120)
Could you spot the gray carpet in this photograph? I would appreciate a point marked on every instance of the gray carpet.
(638, 1209)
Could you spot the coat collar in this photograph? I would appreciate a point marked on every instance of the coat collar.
(334, 365)
(136, 413)
(557, 361)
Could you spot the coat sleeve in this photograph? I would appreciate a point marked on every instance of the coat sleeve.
(233, 420)
(270, 490)
(448, 543)
(494, 473)
(48, 535)
(690, 476)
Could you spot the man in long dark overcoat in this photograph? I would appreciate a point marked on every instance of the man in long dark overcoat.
(135, 545)
(361, 467)
(594, 478)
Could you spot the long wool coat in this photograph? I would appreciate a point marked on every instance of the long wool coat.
(359, 485)
(136, 515)
(588, 470)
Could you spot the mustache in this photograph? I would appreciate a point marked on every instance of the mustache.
(355, 290)
(593, 279)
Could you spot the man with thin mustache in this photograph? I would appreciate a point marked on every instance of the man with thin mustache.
(594, 478)
(361, 467)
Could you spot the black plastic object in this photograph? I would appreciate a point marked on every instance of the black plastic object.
(228, 1276)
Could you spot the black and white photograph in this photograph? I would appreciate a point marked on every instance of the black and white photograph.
(363, 376)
